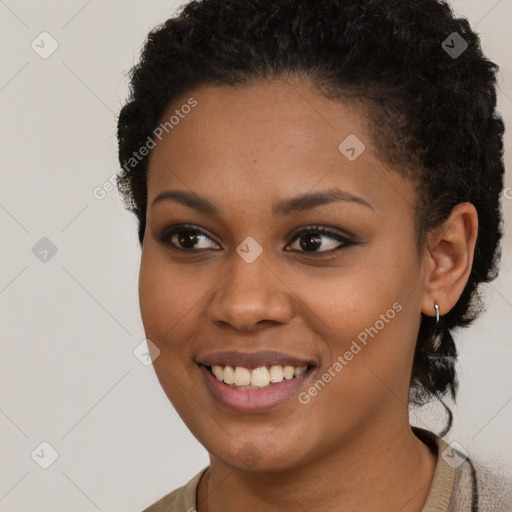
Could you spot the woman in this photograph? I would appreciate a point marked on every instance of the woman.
(317, 187)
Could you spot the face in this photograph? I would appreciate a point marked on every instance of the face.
(268, 245)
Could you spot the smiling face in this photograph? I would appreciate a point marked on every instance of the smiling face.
(342, 299)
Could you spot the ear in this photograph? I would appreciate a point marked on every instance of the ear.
(448, 259)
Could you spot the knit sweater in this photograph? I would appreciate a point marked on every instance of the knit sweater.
(459, 485)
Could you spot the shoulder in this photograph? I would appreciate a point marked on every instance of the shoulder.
(462, 483)
(182, 499)
(481, 486)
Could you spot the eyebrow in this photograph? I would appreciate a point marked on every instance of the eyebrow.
(284, 207)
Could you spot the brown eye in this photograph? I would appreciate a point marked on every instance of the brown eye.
(313, 239)
(185, 238)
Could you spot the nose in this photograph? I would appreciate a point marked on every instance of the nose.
(250, 294)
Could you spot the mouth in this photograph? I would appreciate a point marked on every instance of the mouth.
(249, 383)
(261, 377)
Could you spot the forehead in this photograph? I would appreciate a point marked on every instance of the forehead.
(267, 141)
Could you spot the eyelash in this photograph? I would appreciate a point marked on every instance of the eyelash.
(165, 236)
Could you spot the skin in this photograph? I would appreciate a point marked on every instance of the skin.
(351, 447)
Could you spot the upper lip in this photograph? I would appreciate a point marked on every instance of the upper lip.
(253, 359)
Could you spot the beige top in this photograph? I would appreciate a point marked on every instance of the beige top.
(459, 485)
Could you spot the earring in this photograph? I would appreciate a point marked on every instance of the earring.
(436, 307)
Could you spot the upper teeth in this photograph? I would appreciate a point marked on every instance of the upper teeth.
(258, 377)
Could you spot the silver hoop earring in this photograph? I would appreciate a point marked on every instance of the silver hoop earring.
(436, 307)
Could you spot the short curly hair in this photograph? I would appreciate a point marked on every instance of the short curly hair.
(433, 112)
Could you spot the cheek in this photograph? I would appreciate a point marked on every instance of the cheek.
(173, 303)
(170, 302)
(342, 302)
(366, 318)
(166, 296)
(362, 324)
(164, 288)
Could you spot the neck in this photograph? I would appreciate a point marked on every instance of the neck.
(377, 470)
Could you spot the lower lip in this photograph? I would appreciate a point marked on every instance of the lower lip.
(254, 400)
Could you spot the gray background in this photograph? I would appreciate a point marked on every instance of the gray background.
(70, 323)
